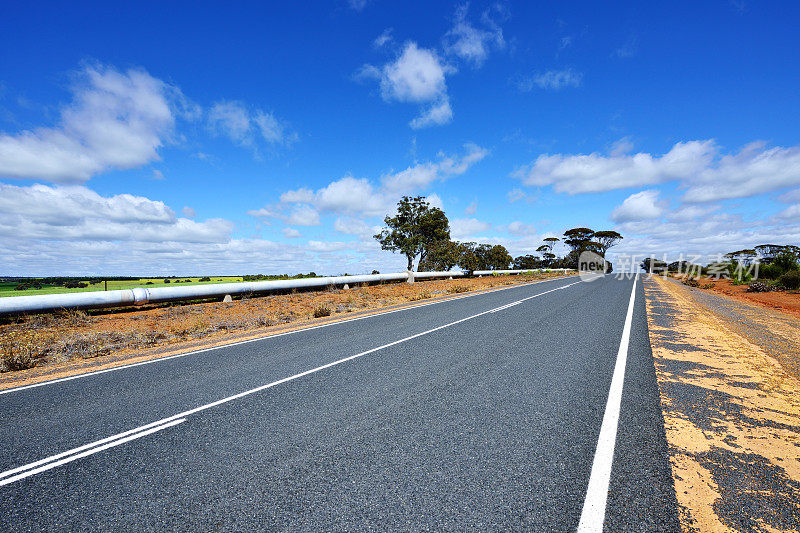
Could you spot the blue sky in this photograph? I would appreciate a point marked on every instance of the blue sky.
(275, 137)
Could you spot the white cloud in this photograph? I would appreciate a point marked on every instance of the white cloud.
(245, 127)
(790, 213)
(421, 175)
(463, 227)
(640, 206)
(520, 228)
(189, 212)
(345, 195)
(358, 196)
(383, 38)
(574, 174)
(753, 170)
(158, 175)
(357, 5)
(40, 212)
(417, 75)
(551, 80)
(291, 233)
(470, 43)
(116, 120)
(471, 208)
(438, 114)
(303, 215)
(790, 197)
(354, 226)
(515, 194)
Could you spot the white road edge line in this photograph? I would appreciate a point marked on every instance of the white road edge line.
(266, 337)
(70, 455)
(594, 506)
(91, 451)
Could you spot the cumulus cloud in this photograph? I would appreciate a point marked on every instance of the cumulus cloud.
(520, 228)
(463, 227)
(471, 43)
(422, 175)
(753, 170)
(247, 127)
(643, 205)
(573, 174)
(417, 75)
(354, 226)
(291, 233)
(358, 196)
(115, 120)
(68, 213)
(553, 80)
(438, 114)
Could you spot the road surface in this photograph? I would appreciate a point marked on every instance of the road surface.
(481, 412)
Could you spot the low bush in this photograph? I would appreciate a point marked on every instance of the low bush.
(790, 280)
(167, 281)
(760, 286)
(321, 311)
(707, 286)
(457, 289)
(205, 279)
(691, 282)
(770, 271)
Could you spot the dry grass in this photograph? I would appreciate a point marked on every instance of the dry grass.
(72, 336)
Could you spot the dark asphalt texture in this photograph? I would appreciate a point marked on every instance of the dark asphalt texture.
(490, 424)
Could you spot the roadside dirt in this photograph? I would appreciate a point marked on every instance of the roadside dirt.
(785, 301)
(730, 392)
(47, 346)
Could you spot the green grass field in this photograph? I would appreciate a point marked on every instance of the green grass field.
(7, 288)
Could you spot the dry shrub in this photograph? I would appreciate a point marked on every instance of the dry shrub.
(75, 318)
(422, 295)
(19, 352)
(321, 311)
(458, 289)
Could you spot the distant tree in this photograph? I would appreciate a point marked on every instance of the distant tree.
(546, 250)
(373, 272)
(498, 258)
(414, 229)
(606, 239)
(653, 265)
(440, 256)
(527, 262)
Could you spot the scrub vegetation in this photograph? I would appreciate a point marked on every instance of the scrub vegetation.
(74, 341)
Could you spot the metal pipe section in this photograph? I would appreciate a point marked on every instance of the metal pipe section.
(140, 296)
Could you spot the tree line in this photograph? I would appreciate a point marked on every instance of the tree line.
(421, 233)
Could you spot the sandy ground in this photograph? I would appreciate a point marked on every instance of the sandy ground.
(42, 347)
(730, 389)
(785, 301)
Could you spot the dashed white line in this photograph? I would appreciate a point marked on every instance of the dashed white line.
(594, 506)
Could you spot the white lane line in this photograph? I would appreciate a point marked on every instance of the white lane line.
(594, 506)
(56, 460)
(267, 337)
(54, 463)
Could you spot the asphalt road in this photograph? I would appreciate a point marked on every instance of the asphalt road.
(460, 415)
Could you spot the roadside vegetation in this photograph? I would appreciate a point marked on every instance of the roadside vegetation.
(768, 274)
(71, 338)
